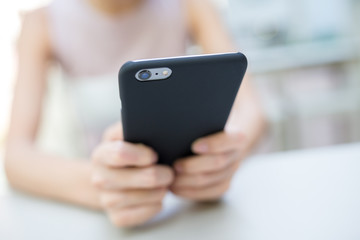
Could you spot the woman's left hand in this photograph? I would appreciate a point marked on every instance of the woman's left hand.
(207, 175)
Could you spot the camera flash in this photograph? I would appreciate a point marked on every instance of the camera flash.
(166, 72)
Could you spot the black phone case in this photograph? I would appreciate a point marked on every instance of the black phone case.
(195, 101)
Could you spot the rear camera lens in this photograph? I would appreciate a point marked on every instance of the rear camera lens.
(144, 75)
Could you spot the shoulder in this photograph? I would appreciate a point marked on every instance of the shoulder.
(34, 31)
(197, 9)
(36, 19)
(198, 5)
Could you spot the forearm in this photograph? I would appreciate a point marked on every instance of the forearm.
(248, 115)
(52, 177)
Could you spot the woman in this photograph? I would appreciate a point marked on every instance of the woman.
(94, 37)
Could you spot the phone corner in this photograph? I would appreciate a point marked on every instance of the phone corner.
(125, 67)
(244, 60)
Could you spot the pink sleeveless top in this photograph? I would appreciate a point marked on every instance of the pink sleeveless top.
(87, 42)
(91, 47)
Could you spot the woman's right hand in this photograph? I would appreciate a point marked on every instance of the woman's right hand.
(131, 186)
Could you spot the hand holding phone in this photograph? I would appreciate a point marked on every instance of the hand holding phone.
(207, 175)
(169, 103)
(130, 185)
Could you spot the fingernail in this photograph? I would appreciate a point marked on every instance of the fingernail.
(178, 168)
(117, 145)
(201, 147)
(155, 157)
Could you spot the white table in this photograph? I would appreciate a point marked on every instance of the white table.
(313, 194)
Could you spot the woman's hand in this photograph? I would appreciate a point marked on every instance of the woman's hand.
(207, 175)
(131, 187)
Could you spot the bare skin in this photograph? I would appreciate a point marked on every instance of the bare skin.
(130, 196)
(115, 7)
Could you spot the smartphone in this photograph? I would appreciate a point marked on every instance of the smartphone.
(168, 103)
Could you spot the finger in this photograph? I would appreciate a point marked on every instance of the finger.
(130, 198)
(218, 143)
(123, 154)
(204, 194)
(132, 178)
(113, 133)
(130, 217)
(205, 163)
(204, 180)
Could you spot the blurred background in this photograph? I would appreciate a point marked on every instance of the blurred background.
(304, 60)
(304, 56)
